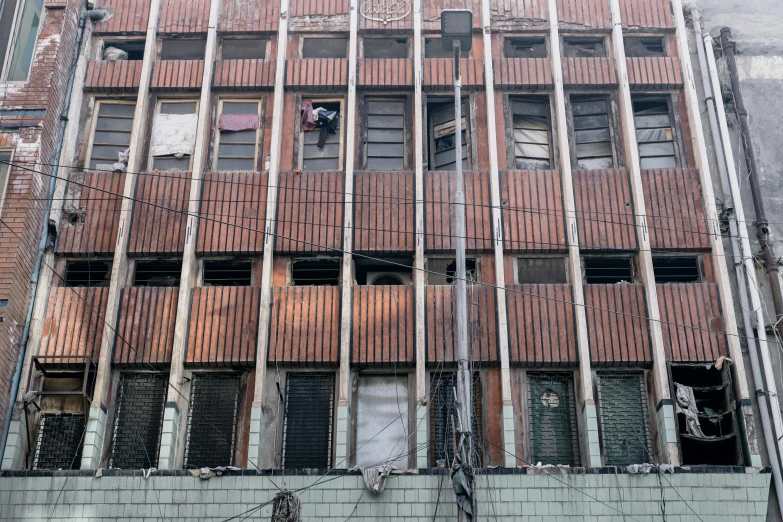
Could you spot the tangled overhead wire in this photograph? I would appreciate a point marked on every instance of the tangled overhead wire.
(286, 507)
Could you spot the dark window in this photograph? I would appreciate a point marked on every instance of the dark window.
(584, 48)
(325, 47)
(59, 441)
(532, 131)
(622, 399)
(318, 272)
(112, 134)
(641, 47)
(138, 421)
(212, 419)
(441, 271)
(433, 48)
(552, 418)
(134, 48)
(307, 435)
(676, 269)
(237, 148)
(592, 134)
(19, 54)
(158, 273)
(524, 48)
(385, 47)
(183, 49)
(227, 272)
(443, 411)
(655, 134)
(385, 141)
(321, 145)
(244, 48)
(608, 270)
(88, 273)
(442, 136)
(396, 272)
(541, 270)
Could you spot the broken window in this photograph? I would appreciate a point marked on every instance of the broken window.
(244, 48)
(307, 431)
(382, 421)
(238, 127)
(59, 441)
(396, 272)
(384, 142)
(541, 270)
(655, 134)
(212, 420)
(90, 273)
(227, 272)
(676, 269)
(385, 48)
(132, 50)
(316, 272)
(532, 130)
(622, 401)
(111, 136)
(158, 273)
(441, 270)
(443, 416)
(584, 48)
(19, 24)
(552, 418)
(524, 48)
(174, 135)
(138, 421)
(320, 139)
(442, 135)
(608, 270)
(5, 159)
(642, 47)
(183, 49)
(592, 132)
(325, 47)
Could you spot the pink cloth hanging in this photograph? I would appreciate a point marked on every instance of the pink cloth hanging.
(307, 121)
(238, 122)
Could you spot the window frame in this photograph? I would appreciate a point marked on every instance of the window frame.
(163, 39)
(524, 36)
(94, 124)
(369, 38)
(254, 269)
(614, 133)
(680, 155)
(564, 258)
(646, 36)
(330, 36)
(508, 106)
(282, 420)
(631, 261)
(235, 38)
(605, 41)
(467, 114)
(259, 131)
(407, 155)
(4, 185)
(700, 268)
(299, 134)
(13, 40)
(158, 105)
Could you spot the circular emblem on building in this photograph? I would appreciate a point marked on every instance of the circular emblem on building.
(550, 399)
(385, 11)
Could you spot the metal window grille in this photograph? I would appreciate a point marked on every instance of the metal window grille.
(237, 149)
(442, 408)
(385, 144)
(622, 400)
(592, 135)
(59, 441)
(676, 269)
(112, 134)
(212, 419)
(307, 435)
(138, 421)
(654, 134)
(552, 418)
(532, 133)
(228, 272)
(608, 270)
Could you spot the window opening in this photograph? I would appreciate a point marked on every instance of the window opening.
(441, 270)
(5, 159)
(584, 48)
(112, 135)
(325, 47)
(132, 50)
(524, 48)
(622, 399)
(307, 431)
(608, 270)
(212, 419)
(442, 135)
(552, 418)
(385, 48)
(382, 421)
(654, 134)
(443, 411)
(318, 272)
(643, 47)
(138, 421)
(320, 135)
(18, 48)
(183, 49)
(378, 273)
(228, 272)
(59, 441)
(541, 270)
(433, 48)
(238, 125)
(532, 130)
(158, 273)
(385, 140)
(676, 269)
(592, 133)
(91, 273)
(244, 48)
(174, 135)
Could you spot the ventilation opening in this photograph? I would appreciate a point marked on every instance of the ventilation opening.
(212, 419)
(643, 47)
(133, 48)
(385, 47)
(524, 48)
(228, 272)
(88, 273)
(244, 48)
(158, 273)
(552, 418)
(307, 432)
(377, 273)
(622, 399)
(325, 48)
(443, 412)
(541, 270)
(608, 270)
(59, 441)
(584, 48)
(183, 49)
(442, 271)
(318, 272)
(676, 269)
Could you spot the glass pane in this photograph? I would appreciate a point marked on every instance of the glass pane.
(231, 150)
(240, 107)
(385, 48)
(666, 162)
(183, 49)
(245, 48)
(171, 163)
(382, 422)
(7, 10)
(26, 36)
(236, 164)
(178, 108)
(325, 48)
(246, 137)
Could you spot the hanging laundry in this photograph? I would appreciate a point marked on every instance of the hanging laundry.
(173, 135)
(237, 122)
(307, 119)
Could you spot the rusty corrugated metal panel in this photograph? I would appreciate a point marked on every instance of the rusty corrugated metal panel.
(305, 325)
(696, 307)
(385, 206)
(223, 326)
(184, 17)
(249, 16)
(510, 13)
(431, 12)
(155, 230)
(654, 72)
(145, 333)
(533, 73)
(310, 211)
(617, 325)
(383, 326)
(127, 17)
(646, 14)
(386, 73)
(604, 209)
(588, 71)
(113, 77)
(438, 210)
(233, 205)
(482, 324)
(439, 73)
(319, 7)
(317, 74)
(541, 325)
(177, 75)
(675, 211)
(74, 323)
(533, 216)
(97, 235)
(584, 15)
(244, 75)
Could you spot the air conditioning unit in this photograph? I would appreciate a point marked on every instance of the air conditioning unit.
(388, 278)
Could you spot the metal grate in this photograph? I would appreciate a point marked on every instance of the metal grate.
(138, 421)
(552, 418)
(59, 442)
(212, 417)
(307, 436)
(622, 400)
(443, 406)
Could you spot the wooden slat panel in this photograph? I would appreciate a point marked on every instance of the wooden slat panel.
(310, 211)
(177, 75)
(510, 14)
(646, 14)
(482, 325)
(675, 211)
(155, 230)
(249, 16)
(438, 211)
(439, 73)
(604, 209)
(97, 234)
(584, 15)
(385, 73)
(74, 323)
(146, 324)
(532, 73)
(541, 325)
(654, 72)
(588, 71)
(616, 325)
(385, 206)
(533, 216)
(126, 17)
(233, 205)
(692, 322)
(184, 17)
(319, 7)
(383, 326)
(431, 11)
(113, 77)
(317, 74)
(244, 75)
(223, 326)
(305, 325)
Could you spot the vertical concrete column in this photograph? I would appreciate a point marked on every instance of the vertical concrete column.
(589, 430)
(176, 402)
(96, 420)
(509, 439)
(667, 432)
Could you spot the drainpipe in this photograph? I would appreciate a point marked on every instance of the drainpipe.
(762, 225)
(17, 377)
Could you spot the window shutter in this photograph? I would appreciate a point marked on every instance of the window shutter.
(654, 135)
(591, 134)
(212, 417)
(112, 134)
(309, 404)
(385, 135)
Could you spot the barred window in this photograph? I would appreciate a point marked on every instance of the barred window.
(59, 441)
(212, 419)
(532, 131)
(552, 418)
(111, 135)
(622, 400)
(443, 412)
(307, 433)
(382, 421)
